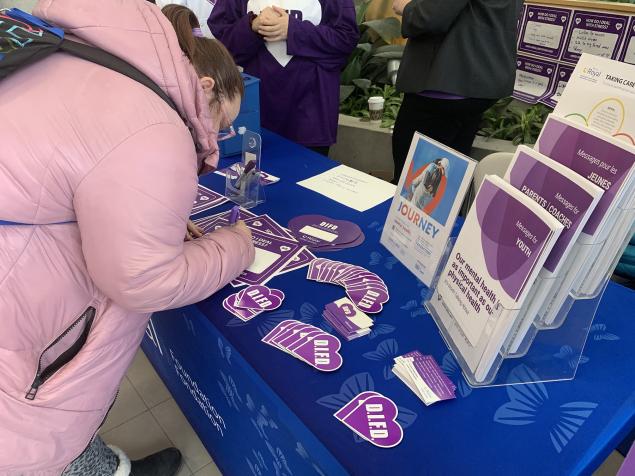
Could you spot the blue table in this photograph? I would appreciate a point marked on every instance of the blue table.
(259, 411)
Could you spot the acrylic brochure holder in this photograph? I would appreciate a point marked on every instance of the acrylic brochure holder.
(546, 354)
(242, 181)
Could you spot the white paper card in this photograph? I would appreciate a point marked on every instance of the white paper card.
(350, 187)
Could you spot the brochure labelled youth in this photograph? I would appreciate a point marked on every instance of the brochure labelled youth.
(502, 246)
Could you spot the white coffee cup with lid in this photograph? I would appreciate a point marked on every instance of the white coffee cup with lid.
(376, 108)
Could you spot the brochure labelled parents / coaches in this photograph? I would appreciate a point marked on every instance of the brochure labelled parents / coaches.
(431, 189)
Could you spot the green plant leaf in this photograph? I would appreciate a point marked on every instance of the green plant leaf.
(360, 10)
(345, 92)
(352, 71)
(362, 83)
(389, 49)
(389, 55)
(387, 28)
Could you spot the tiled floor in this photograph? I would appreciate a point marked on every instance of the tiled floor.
(146, 419)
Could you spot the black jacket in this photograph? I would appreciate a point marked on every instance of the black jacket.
(461, 47)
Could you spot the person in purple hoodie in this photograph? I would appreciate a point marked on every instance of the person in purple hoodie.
(297, 48)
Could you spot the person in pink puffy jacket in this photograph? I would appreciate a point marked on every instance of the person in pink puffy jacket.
(102, 174)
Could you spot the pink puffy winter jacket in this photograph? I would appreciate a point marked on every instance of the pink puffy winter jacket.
(82, 143)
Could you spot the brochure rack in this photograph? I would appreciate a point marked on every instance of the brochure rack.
(548, 354)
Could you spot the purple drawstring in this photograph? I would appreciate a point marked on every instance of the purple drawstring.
(197, 32)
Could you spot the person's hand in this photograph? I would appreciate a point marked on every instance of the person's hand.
(193, 231)
(243, 229)
(399, 5)
(267, 15)
(274, 27)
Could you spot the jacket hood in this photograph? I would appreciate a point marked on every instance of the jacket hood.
(137, 32)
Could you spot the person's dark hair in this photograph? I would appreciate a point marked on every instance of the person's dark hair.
(209, 57)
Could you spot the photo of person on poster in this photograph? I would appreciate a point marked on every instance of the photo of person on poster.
(426, 185)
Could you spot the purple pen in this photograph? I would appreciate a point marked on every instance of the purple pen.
(233, 216)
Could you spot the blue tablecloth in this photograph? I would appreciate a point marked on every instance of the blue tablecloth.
(259, 411)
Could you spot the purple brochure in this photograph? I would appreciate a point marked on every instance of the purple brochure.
(597, 33)
(206, 199)
(268, 225)
(272, 254)
(544, 31)
(560, 195)
(585, 151)
(302, 259)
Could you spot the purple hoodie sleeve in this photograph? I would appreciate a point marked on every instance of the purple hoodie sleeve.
(333, 40)
(229, 23)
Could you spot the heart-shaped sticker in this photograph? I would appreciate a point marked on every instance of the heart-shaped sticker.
(284, 248)
(531, 14)
(577, 21)
(354, 403)
(257, 223)
(562, 74)
(375, 420)
(369, 300)
(618, 26)
(549, 70)
(203, 198)
(321, 353)
(563, 18)
(518, 63)
(260, 298)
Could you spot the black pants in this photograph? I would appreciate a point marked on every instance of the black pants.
(451, 122)
(322, 150)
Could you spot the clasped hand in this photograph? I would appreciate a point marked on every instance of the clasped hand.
(272, 24)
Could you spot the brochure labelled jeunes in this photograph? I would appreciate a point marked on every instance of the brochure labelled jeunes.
(431, 189)
(568, 197)
(502, 246)
(610, 164)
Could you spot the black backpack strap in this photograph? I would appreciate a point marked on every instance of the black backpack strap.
(103, 58)
(25, 39)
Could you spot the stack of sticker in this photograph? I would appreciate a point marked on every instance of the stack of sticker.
(252, 301)
(368, 291)
(424, 377)
(320, 233)
(374, 418)
(307, 343)
(349, 321)
(277, 251)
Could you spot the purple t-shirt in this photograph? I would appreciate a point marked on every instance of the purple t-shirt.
(440, 95)
(299, 96)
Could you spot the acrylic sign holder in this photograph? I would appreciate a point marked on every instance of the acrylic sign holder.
(549, 354)
(242, 182)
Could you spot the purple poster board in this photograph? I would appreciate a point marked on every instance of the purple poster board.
(627, 54)
(534, 79)
(521, 17)
(596, 33)
(563, 73)
(544, 31)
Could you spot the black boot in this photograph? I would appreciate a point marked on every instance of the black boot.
(164, 463)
